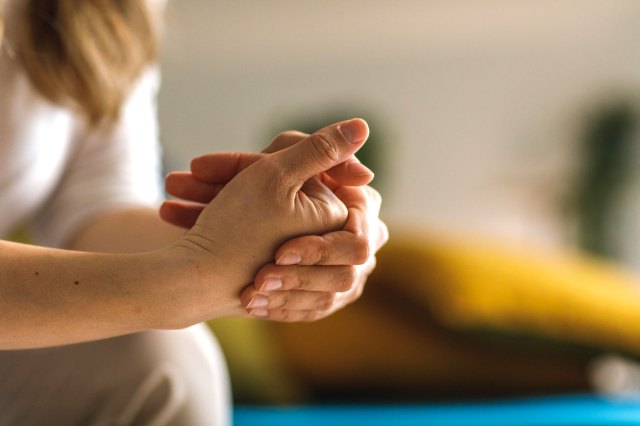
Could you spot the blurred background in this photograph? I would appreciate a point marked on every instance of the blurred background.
(496, 121)
(480, 103)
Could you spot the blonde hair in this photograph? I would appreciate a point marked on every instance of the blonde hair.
(86, 54)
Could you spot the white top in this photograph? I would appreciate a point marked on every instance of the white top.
(55, 173)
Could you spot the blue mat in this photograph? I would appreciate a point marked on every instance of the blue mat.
(582, 410)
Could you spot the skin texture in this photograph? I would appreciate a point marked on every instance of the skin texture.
(52, 297)
(311, 276)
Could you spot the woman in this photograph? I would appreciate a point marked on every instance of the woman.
(79, 161)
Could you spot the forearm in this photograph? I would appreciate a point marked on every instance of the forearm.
(126, 231)
(52, 297)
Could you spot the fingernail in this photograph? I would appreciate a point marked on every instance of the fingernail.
(271, 284)
(259, 313)
(258, 301)
(354, 131)
(359, 169)
(289, 259)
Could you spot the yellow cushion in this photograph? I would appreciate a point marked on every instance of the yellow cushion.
(565, 296)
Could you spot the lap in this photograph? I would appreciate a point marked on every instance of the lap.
(151, 378)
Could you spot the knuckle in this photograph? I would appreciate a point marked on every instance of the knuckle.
(309, 247)
(303, 282)
(347, 280)
(286, 316)
(282, 300)
(325, 148)
(362, 250)
(353, 275)
(322, 254)
(285, 298)
(319, 256)
(328, 300)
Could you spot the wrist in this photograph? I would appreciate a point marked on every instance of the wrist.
(184, 285)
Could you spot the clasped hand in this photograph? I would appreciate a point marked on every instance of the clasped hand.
(324, 230)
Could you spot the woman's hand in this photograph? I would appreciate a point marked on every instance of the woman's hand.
(314, 275)
(211, 172)
(271, 199)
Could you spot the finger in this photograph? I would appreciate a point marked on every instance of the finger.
(286, 315)
(334, 248)
(184, 185)
(222, 167)
(364, 205)
(296, 300)
(350, 246)
(321, 151)
(180, 213)
(285, 140)
(350, 173)
(364, 199)
(339, 278)
(268, 305)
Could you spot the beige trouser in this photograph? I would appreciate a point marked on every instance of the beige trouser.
(153, 378)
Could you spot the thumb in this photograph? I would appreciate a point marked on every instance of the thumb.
(322, 150)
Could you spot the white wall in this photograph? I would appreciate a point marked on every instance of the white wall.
(482, 98)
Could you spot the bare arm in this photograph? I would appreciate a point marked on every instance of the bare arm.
(51, 297)
(126, 231)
